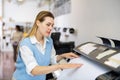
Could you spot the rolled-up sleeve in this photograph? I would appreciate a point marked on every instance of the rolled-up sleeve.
(54, 61)
(53, 56)
(28, 59)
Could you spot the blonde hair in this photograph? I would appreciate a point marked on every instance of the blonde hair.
(41, 16)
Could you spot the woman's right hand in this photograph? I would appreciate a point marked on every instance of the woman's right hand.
(69, 65)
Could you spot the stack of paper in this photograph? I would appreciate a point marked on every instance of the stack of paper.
(87, 48)
(114, 60)
(105, 53)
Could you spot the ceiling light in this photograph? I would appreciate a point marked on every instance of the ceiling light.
(20, 0)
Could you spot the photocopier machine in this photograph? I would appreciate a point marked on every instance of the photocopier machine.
(106, 56)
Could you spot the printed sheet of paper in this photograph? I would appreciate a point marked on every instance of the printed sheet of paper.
(114, 60)
(106, 53)
(87, 48)
(112, 64)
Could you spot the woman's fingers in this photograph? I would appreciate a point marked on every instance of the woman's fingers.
(74, 55)
(70, 65)
(70, 55)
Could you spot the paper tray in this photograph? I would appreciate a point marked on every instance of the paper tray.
(100, 53)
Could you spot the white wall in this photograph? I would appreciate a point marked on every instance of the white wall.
(0, 18)
(92, 18)
(0, 8)
(22, 13)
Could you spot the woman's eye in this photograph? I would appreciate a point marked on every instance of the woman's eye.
(48, 24)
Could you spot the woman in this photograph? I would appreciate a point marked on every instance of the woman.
(17, 36)
(36, 51)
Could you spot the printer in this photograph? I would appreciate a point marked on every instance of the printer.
(105, 55)
(111, 75)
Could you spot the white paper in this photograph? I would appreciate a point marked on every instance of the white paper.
(114, 60)
(87, 48)
(112, 64)
(88, 71)
(106, 53)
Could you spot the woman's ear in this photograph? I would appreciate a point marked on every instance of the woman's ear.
(38, 22)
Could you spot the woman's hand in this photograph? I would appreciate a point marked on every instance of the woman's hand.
(69, 55)
(70, 65)
(39, 70)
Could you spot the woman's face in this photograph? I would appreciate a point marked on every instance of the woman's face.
(45, 27)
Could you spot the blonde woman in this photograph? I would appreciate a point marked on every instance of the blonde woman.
(36, 51)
